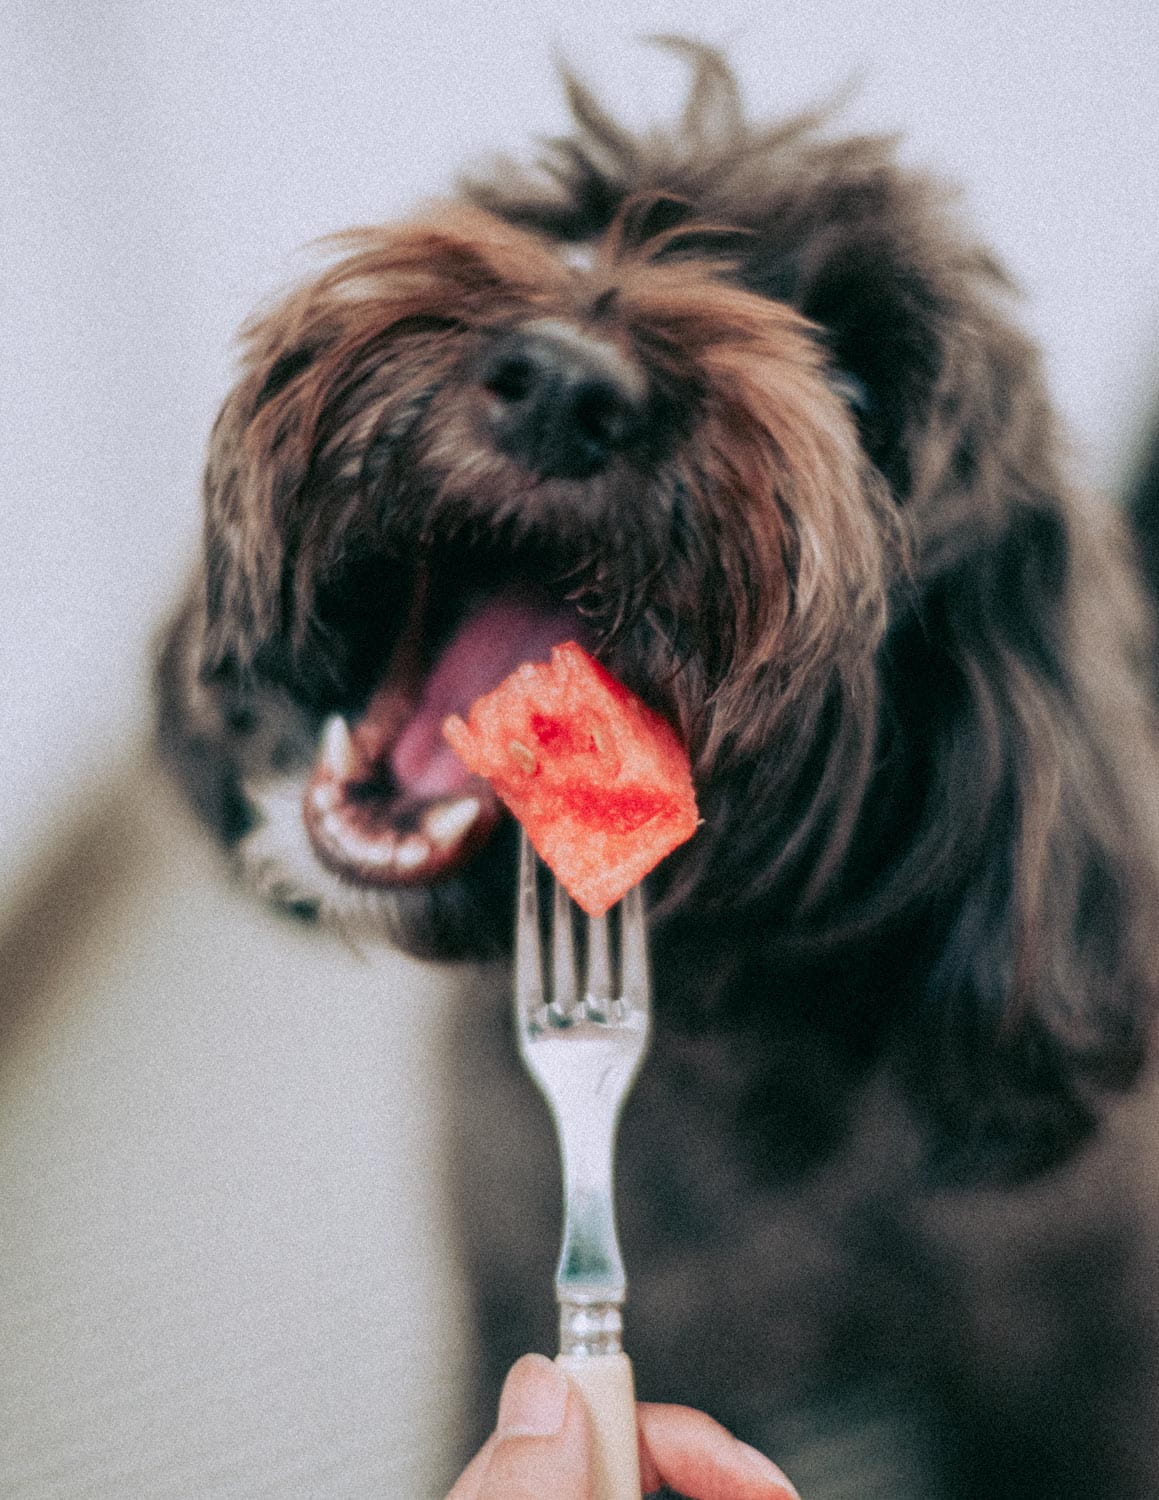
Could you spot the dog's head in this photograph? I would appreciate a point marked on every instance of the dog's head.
(517, 420)
(737, 408)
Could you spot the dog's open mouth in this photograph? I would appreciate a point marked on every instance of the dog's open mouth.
(388, 802)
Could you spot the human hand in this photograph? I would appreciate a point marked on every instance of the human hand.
(540, 1449)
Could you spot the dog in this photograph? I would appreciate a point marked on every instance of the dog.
(744, 409)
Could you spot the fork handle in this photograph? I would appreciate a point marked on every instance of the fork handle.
(606, 1384)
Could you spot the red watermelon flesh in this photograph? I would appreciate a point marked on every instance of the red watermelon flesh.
(600, 782)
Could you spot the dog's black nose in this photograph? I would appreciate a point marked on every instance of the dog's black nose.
(563, 403)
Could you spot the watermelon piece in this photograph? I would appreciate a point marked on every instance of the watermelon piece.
(600, 782)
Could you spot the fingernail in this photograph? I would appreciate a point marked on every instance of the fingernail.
(534, 1399)
(754, 1463)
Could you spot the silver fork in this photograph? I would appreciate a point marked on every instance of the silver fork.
(583, 1045)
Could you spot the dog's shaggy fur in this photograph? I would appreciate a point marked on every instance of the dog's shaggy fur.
(908, 962)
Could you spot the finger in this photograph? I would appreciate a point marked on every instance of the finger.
(689, 1452)
(541, 1443)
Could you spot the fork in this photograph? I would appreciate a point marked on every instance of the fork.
(583, 1046)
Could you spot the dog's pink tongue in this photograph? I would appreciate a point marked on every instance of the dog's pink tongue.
(505, 632)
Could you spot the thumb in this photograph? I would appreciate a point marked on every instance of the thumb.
(541, 1444)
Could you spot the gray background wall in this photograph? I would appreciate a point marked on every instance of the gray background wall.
(217, 1139)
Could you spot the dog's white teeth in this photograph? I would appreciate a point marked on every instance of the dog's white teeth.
(447, 822)
(383, 852)
(338, 755)
(325, 795)
(412, 852)
(378, 852)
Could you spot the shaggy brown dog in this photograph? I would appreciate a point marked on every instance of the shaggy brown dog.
(741, 408)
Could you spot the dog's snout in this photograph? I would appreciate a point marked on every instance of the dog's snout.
(563, 403)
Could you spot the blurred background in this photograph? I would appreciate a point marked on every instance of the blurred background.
(226, 1255)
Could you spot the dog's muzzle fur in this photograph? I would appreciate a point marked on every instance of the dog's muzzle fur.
(742, 409)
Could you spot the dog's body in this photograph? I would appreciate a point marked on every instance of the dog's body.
(740, 408)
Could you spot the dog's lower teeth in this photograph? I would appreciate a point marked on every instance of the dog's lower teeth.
(447, 822)
(412, 852)
(379, 852)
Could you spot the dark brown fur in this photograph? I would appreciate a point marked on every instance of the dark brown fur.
(911, 950)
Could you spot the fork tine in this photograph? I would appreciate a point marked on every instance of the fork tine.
(634, 977)
(598, 991)
(528, 959)
(563, 972)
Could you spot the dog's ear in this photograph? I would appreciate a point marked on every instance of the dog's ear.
(1032, 849)
(209, 720)
(257, 460)
(197, 726)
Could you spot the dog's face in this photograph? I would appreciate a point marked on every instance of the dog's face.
(673, 405)
(475, 436)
